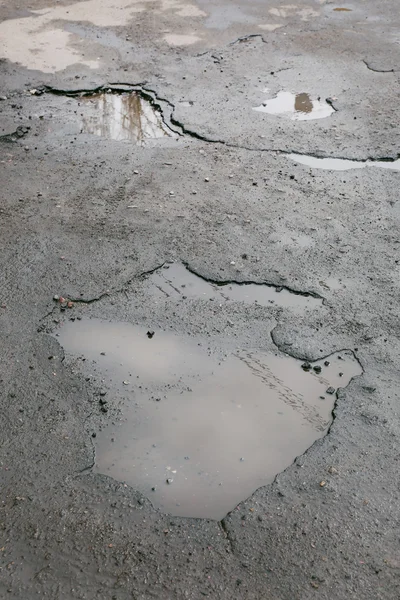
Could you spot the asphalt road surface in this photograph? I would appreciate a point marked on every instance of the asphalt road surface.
(151, 151)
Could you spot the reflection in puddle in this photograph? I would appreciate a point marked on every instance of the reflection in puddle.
(200, 433)
(299, 107)
(342, 164)
(178, 282)
(125, 116)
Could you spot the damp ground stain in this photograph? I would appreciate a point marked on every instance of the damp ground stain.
(177, 281)
(121, 116)
(200, 430)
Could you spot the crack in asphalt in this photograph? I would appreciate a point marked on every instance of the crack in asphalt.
(245, 38)
(276, 286)
(180, 128)
(377, 70)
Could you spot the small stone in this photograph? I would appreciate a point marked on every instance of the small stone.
(169, 481)
(233, 262)
(102, 353)
(206, 179)
(125, 382)
(153, 489)
(70, 304)
(56, 298)
(244, 256)
(102, 392)
(61, 300)
(317, 369)
(330, 390)
(327, 363)
(322, 483)
(26, 149)
(94, 434)
(306, 366)
(150, 334)
(340, 374)
(104, 408)
(333, 471)
(136, 172)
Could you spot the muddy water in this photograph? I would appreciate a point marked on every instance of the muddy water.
(177, 281)
(125, 116)
(342, 164)
(201, 430)
(299, 107)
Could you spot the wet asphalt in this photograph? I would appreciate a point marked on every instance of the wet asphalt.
(90, 219)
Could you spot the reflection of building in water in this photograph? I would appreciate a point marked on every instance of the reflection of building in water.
(122, 117)
(303, 103)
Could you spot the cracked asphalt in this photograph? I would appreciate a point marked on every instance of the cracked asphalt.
(66, 228)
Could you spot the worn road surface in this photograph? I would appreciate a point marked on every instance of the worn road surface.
(92, 205)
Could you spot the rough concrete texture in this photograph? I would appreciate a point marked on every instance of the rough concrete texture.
(65, 228)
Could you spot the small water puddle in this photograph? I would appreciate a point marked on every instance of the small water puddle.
(122, 116)
(177, 281)
(342, 164)
(201, 429)
(300, 107)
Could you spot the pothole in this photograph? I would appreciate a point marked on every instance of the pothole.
(121, 116)
(201, 428)
(342, 164)
(176, 281)
(299, 107)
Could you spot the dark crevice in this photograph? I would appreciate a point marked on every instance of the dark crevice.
(377, 70)
(279, 286)
(179, 128)
(103, 295)
(88, 300)
(389, 159)
(246, 38)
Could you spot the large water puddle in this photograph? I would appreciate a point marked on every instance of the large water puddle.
(342, 164)
(300, 107)
(201, 428)
(121, 116)
(177, 281)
